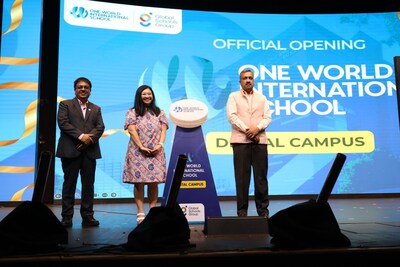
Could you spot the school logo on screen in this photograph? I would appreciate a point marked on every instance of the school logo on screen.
(79, 12)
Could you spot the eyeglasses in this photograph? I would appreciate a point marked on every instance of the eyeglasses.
(82, 87)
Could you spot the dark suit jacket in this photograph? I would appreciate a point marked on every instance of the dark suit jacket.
(72, 125)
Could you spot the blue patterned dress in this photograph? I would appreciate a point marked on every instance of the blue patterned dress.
(137, 167)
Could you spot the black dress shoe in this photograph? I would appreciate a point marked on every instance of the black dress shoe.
(90, 221)
(66, 222)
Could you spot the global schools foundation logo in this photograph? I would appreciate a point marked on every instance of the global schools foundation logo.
(194, 212)
(79, 12)
(184, 209)
(145, 19)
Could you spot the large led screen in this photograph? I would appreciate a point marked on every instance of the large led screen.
(329, 79)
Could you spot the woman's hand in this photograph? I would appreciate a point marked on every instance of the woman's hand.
(156, 149)
(145, 151)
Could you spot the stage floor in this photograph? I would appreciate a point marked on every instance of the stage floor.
(371, 224)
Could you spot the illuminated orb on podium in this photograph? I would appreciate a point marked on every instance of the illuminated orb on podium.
(188, 113)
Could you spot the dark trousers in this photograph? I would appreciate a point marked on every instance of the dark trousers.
(247, 158)
(72, 168)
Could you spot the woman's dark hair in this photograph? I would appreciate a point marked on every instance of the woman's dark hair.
(140, 107)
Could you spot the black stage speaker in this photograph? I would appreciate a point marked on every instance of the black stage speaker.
(233, 225)
(165, 227)
(312, 223)
(32, 227)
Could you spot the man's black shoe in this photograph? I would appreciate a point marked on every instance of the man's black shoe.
(264, 214)
(90, 221)
(66, 222)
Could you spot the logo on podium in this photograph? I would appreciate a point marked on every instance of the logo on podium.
(197, 192)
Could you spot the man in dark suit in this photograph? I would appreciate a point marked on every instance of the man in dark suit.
(81, 125)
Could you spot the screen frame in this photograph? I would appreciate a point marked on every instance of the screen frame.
(48, 66)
